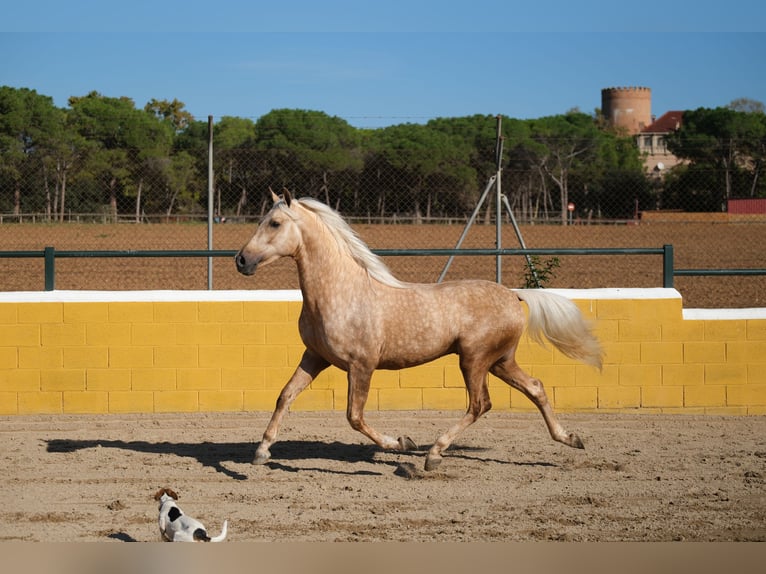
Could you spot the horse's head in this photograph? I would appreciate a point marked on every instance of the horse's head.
(277, 236)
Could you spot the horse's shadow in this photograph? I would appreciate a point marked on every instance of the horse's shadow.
(471, 453)
(217, 455)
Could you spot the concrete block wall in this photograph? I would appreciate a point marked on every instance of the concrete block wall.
(120, 352)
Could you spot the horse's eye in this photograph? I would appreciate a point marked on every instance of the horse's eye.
(274, 224)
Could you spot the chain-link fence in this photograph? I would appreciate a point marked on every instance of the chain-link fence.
(401, 190)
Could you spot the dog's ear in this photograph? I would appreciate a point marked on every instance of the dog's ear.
(167, 491)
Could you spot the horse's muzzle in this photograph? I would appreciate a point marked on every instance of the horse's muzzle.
(243, 265)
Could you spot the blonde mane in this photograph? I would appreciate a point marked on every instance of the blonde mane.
(350, 242)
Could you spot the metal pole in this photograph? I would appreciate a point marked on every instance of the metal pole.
(498, 201)
(50, 268)
(501, 200)
(667, 266)
(210, 200)
(468, 225)
(530, 264)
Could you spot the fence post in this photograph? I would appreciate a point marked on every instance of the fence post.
(50, 268)
(667, 266)
(210, 200)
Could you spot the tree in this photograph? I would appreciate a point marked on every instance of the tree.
(566, 141)
(171, 112)
(234, 145)
(123, 139)
(319, 151)
(598, 170)
(728, 142)
(420, 160)
(528, 180)
(27, 122)
(63, 158)
(612, 183)
(479, 135)
(181, 183)
(747, 105)
(103, 150)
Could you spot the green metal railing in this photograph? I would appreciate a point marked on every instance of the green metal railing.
(50, 254)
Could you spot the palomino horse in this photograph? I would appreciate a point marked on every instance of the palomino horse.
(358, 317)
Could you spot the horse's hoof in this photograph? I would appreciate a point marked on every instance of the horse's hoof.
(433, 462)
(406, 443)
(574, 441)
(261, 458)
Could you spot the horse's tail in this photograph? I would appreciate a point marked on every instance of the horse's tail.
(560, 321)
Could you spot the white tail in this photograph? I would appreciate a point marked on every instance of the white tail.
(222, 535)
(560, 321)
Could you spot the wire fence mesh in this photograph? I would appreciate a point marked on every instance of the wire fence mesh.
(124, 200)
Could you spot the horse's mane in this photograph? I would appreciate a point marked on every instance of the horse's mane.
(350, 242)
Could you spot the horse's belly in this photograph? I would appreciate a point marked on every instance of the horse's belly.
(403, 361)
(410, 349)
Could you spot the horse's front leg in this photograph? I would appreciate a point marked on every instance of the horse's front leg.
(358, 391)
(308, 369)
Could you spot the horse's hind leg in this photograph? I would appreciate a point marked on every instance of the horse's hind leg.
(510, 372)
(310, 366)
(478, 403)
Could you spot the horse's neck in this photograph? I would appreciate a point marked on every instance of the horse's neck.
(326, 274)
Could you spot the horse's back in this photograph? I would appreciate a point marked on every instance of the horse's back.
(475, 298)
(478, 306)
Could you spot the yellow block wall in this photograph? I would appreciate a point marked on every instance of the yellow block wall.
(187, 356)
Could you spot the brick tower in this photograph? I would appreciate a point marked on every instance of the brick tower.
(627, 108)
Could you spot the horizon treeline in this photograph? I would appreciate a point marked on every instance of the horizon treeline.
(103, 155)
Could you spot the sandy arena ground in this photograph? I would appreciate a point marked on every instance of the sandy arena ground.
(641, 478)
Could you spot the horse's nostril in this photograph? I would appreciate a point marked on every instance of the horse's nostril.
(240, 260)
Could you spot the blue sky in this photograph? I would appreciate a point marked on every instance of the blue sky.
(384, 63)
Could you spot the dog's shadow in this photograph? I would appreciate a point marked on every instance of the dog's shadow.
(122, 537)
(216, 455)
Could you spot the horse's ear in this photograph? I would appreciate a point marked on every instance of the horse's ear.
(274, 196)
(287, 197)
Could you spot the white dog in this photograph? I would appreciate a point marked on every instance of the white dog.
(175, 526)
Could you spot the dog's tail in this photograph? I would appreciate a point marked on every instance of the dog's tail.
(222, 535)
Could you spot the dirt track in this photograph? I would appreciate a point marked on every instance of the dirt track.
(641, 478)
